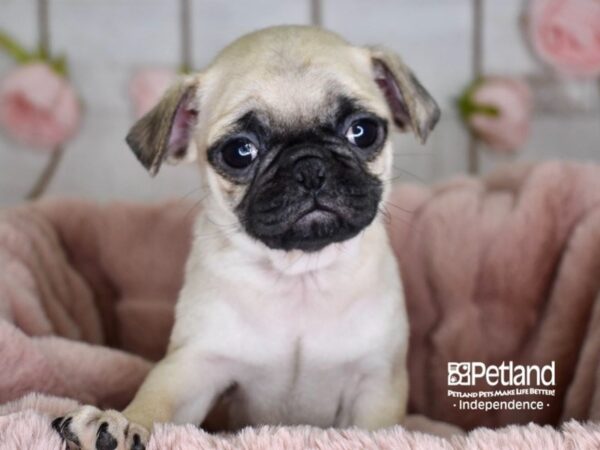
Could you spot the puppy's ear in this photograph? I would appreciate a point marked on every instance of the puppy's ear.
(165, 132)
(411, 105)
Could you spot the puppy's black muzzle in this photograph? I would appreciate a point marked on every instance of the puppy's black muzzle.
(309, 196)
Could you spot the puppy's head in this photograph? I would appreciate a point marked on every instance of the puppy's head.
(291, 126)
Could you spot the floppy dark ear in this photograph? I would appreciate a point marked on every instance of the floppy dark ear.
(411, 105)
(165, 132)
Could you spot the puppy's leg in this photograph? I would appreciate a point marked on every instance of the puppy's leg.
(180, 388)
(381, 401)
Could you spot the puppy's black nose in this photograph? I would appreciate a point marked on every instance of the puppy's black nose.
(310, 172)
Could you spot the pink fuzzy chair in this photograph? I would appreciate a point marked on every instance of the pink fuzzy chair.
(505, 268)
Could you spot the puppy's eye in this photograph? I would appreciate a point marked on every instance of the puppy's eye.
(239, 153)
(363, 133)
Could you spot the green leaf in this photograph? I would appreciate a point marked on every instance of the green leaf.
(22, 56)
(14, 49)
(59, 64)
(184, 69)
(467, 106)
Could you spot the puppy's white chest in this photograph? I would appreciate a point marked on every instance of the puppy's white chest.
(297, 387)
(306, 364)
(298, 348)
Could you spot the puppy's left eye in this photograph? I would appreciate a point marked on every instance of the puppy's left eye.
(239, 153)
(363, 133)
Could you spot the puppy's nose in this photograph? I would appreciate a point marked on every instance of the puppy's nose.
(310, 172)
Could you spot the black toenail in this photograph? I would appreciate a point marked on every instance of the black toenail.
(63, 429)
(56, 423)
(137, 443)
(105, 440)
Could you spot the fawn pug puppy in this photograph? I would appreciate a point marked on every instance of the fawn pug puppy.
(292, 309)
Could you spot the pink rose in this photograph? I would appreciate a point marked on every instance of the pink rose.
(38, 107)
(500, 112)
(147, 86)
(566, 35)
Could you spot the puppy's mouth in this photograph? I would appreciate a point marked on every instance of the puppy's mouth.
(315, 216)
(310, 226)
(314, 229)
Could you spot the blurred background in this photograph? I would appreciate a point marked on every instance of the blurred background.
(66, 124)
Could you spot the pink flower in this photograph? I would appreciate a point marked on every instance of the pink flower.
(500, 112)
(147, 86)
(566, 35)
(38, 107)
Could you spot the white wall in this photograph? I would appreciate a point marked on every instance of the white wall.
(106, 40)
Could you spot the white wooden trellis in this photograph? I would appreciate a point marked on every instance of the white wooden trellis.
(476, 73)
(43, 26)
(186, 65)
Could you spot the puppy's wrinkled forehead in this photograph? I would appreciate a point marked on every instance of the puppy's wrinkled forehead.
(294, 78)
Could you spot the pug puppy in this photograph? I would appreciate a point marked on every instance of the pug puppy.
(292, 309)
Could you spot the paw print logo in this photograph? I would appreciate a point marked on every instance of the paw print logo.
(459, 374)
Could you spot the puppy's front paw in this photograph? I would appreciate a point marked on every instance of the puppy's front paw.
(89, 428)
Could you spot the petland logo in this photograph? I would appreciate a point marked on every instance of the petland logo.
(505, 374)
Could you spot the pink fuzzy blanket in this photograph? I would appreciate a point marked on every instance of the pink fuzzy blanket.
(505, 268)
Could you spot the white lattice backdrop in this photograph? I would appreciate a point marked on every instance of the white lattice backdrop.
(106, 40)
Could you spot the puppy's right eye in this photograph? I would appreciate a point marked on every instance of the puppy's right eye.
(239, 153)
